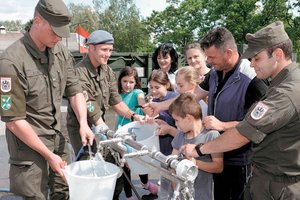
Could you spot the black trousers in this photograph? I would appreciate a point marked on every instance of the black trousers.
(230, 184)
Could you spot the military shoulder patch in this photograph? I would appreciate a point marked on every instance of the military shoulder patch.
(5, 84)
(259, 111)
(5, 102)
(90, 106)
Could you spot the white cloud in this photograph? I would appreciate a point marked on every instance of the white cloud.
(23, 9)
(147, 6)
(17, 10)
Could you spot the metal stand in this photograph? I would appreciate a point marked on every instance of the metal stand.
(173, 167)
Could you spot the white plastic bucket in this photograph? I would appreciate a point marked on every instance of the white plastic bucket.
(145, 135)
(91, 179)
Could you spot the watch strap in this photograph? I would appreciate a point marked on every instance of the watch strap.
(132, 117)
(197, 148)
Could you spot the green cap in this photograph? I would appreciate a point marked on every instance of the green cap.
(264, 38)
(57, 14)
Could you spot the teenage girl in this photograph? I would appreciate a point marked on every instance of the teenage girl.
(187, 80)
(161, 90)
(130, 90)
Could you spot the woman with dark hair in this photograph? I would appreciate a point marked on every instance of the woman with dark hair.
(165, 58)
(129, 87)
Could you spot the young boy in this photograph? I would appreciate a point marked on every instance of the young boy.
(187, 114)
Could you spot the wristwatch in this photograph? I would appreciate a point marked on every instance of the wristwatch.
(197, 148)
(132, 117)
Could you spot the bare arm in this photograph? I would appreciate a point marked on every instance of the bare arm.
(200, 93)
(78, 104)
(229, 140)
(215, 166)
(156, 108)
(141, 99)
(212, 123)
(123, 110)
(164, 128)
(23, 130)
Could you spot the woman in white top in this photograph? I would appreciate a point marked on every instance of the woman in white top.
(165, 58)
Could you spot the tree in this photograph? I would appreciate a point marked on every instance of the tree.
(82, 15)
(187, 20)
(120, 17)
(28, 25)
(12, 25)
(236, 15)
(179, 23)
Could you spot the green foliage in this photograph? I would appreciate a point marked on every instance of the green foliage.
(184, 21)
(236, 15)
(28, 25)
(120, 17)
(12, 25)
(179, 23)
(84, 16)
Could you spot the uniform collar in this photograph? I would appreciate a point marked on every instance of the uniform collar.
(283, 74)
(94, 72)
(34, 50)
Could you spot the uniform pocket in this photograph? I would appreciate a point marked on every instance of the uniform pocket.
(38, 86)
(23, 175)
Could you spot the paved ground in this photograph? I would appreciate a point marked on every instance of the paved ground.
(4, 167)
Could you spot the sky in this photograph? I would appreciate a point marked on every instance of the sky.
(23, 9)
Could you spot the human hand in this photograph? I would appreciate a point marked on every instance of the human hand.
(56, 164)
(192, 159)
(100, 128)
(150, 120)
(152, 108)
(189, 151)
(139, 118)
(212, 123)
(163, 127)
(86, 134)
(147, 110)
(101, 131)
